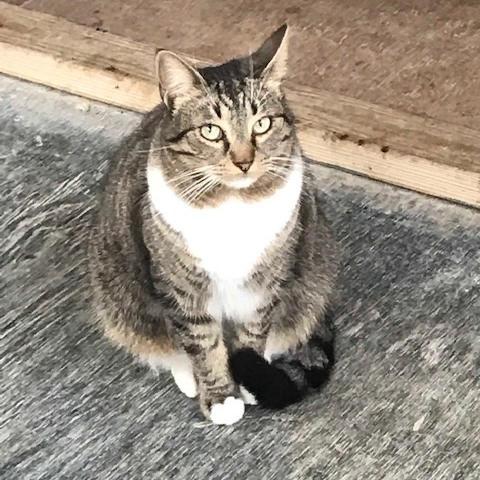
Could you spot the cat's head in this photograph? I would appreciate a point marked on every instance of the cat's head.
(227, 128)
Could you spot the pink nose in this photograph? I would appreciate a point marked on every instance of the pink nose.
(242, 156)
(244, 166)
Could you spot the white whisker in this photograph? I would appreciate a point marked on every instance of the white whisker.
(278, 174)
(281, 160)
(277, 171)
(191, 174)
(153, 150)
(200, 188)
(194, 187)
(279, 164)
(283, 157)
(202, 191)
(183, 181)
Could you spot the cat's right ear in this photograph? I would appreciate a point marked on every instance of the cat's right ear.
(178, 80)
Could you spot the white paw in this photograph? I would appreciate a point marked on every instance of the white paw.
(185, 382)
(248, 397)
(228, 412)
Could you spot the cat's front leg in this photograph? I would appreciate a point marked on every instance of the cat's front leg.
(202, 340)
(251, 335)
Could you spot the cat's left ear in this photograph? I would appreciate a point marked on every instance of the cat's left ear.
(178, 81)
(270, 60)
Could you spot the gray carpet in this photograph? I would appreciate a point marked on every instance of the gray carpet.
(404, 399)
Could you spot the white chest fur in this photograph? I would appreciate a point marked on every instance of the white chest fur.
(228, 240)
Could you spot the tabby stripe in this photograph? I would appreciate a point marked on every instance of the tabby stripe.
(196, 349)
(214, 383)
(217, 110)
(190, 284)
(187, 324)
(182, 152)
(226, 145)
(194, 283)
(254, 335)
(193, 349)
(265, 310)
(287, 119)
(179, 136)
(179, 291)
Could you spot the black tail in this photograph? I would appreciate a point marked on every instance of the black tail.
(286, 379)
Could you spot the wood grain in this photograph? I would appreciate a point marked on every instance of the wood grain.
(421, 154)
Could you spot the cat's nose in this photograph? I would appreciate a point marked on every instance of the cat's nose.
(242, 156)
(244, 166)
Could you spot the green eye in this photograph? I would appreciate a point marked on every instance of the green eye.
(211, 132)
(262, 126)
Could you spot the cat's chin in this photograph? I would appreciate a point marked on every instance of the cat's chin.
(241, 183)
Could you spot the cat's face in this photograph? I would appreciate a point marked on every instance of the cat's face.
(228, 128)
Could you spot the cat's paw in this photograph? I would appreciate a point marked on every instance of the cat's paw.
(182, 372)
(186, 383)
(248, 398)
(228, 412)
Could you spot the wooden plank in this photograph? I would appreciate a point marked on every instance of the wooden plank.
(408, 171)
(364, 123)
(421, 154)
(124, 91)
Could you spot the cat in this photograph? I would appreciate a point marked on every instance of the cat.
(210, 255)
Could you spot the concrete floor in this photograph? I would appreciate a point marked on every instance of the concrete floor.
(420, 56)
(404, 399)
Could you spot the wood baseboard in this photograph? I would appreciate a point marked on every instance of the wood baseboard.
(425, 155)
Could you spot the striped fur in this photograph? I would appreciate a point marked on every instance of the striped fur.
(206, 252)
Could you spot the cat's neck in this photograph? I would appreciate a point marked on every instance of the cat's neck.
(230, 237)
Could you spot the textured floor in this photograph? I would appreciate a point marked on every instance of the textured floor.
(404, 402)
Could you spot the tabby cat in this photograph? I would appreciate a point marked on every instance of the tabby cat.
(210, 256)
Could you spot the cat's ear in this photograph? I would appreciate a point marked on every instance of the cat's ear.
(270, 60)
(177, 79)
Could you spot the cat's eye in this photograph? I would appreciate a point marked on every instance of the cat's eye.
(262, 126)
(211, 132)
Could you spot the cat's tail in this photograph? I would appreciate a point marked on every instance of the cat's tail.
(287, 378)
